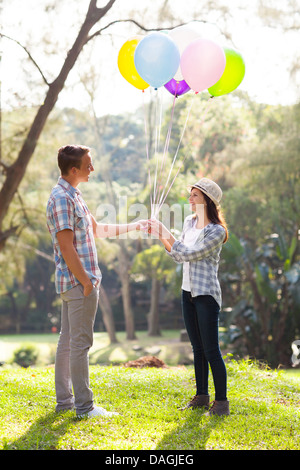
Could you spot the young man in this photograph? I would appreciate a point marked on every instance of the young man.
(77, 278)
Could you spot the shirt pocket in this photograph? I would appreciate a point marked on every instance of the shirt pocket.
(81, 219)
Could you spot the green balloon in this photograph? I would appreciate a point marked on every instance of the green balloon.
(232, 76)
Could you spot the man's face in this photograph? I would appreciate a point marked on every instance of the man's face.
(85, 169)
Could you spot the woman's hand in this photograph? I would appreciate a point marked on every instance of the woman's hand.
(157, 228)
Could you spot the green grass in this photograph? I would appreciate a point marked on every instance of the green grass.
(265, 411)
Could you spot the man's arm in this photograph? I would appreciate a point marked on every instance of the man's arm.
(113, 230)
(65, 241)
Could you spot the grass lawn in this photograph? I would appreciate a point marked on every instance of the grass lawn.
(265, 411)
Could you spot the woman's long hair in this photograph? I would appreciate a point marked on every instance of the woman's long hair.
(215, 215)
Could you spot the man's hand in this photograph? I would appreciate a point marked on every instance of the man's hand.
(87, 288)
(70, 255)
(142, 224)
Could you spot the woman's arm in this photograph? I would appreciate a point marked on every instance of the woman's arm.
(167, 244)
(180, 252)
(157, 228)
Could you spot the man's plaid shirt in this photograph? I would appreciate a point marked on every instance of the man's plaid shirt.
(203, 258)
(66, 209)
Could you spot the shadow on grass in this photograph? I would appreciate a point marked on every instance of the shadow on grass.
(192, 435)
(45, 433)
(48, 431)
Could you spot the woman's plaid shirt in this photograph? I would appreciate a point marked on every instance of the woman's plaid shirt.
(66, 209)
(203, 258)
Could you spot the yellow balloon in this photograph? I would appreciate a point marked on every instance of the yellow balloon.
(126, 63)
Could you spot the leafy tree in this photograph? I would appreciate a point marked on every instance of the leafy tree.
(264, 288)
(14, 172)
(153, 264)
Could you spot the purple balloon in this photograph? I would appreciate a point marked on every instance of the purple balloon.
(176, 87)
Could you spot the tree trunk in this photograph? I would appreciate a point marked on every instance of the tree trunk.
(123, 266)
(123, 270)
(16, 172)
(153, 316)
(15, 313)
(108, 318)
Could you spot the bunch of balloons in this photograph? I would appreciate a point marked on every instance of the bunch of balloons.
(180, 60)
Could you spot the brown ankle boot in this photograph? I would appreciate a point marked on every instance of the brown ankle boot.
(219, 408)
(198, 401)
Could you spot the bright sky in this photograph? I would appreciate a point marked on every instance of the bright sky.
(267, 53)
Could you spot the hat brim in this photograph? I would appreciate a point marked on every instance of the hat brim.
(217, 204)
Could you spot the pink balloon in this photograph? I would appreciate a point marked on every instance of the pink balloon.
(202, 64)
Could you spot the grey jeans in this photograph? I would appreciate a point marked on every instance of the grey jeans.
(76, 337)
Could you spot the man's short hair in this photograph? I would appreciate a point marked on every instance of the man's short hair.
(70, 156)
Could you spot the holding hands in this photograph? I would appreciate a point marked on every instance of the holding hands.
(142, 225)
(157, 228)
(151, 226)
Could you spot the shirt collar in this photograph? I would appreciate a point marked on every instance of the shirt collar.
(194, 222)
(68, 187)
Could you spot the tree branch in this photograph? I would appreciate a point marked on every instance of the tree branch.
(94, 11)
(29, 55)
(5, 167)
(98, 33)
(4, 235)
(139, 25)
(16, 172)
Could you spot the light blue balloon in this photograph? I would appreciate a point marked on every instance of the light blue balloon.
(157, 59)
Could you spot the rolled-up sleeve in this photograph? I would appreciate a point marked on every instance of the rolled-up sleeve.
(172, 253)
(211, 241)
(62, 215)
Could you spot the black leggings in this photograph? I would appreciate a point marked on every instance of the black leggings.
(201, 318)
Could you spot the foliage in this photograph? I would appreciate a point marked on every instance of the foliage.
(264, 284)
(264, 408)
(26, 355)
(153, 262)
(250, 149)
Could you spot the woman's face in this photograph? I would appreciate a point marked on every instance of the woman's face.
(196, 198)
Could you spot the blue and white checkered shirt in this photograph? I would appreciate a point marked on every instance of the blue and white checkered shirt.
(66, 209)
(203, 258)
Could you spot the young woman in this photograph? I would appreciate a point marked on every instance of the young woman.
(203, 235)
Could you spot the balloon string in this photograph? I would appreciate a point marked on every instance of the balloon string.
(156, 143)
(166, 148)
(163, 196)
(147, 150)
(208, 104)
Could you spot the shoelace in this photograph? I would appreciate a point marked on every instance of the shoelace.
(195, 399)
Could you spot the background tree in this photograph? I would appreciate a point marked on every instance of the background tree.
(153, 264)
(14, 172)
(250, 148)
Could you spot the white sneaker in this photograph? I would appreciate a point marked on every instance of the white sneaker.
(98, 411)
